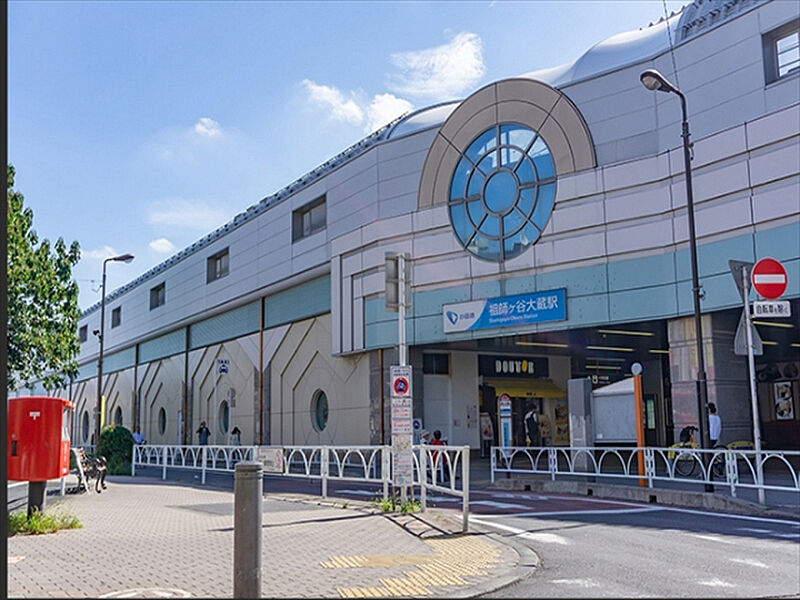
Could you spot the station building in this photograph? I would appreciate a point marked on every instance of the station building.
(545, 224)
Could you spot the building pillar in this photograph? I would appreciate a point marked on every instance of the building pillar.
(726, 373)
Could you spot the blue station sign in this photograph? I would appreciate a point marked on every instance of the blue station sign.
(506, 311)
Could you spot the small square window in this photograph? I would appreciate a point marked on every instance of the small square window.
(217, 266)
(116, 317)
(309, 219)
(158, 296)
(83, 333)
(782, 52)
(436, 364)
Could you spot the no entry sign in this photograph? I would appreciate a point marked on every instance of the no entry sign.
(769, 278)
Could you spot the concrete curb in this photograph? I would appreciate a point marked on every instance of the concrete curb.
(682, 498)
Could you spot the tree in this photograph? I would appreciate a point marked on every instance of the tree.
(43, 308)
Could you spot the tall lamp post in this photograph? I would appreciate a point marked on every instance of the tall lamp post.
(656, 82)
(121, 258)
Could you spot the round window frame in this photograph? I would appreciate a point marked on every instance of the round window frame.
(316, 397)
(162, 421)
(224, 417)
(85, 426)
(530, 221)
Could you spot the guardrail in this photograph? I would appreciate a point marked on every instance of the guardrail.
(732, 468)
(441, 469)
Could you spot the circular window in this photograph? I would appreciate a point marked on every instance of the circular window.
(502, 192)
(319, 410)
(85, 426)
(162, 420)
(118, 416)
(224, 416)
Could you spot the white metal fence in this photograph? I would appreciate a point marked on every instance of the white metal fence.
(732, 468)
(441, 469)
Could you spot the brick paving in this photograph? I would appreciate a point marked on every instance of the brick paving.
(142, 534)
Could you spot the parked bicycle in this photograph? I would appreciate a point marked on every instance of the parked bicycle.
(686, 462)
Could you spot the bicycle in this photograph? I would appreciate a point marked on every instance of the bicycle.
(686, 462)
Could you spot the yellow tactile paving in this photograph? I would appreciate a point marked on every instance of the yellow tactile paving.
(451, 560)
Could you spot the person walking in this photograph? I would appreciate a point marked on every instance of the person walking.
(531, 422)
(202, 434)
(235, 437)
(714, 424)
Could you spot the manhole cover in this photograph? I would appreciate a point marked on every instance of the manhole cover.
(149, 593)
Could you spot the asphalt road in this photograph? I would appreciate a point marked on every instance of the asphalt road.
(645, 551)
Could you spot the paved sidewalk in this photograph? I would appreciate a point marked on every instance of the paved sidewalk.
(147, 538)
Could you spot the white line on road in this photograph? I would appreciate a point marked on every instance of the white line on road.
(712, 538)
(752, 562)
(495, 504)
(586, 583)
(716, 583)
(730, 516)
(540, 536)
(558, 513)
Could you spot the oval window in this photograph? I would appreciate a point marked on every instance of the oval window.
(319, 410)
(224, 416)
(118, 416)
(85, 426)
(162, 420)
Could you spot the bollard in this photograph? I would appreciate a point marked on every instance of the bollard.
(247, 530)
(464, 489)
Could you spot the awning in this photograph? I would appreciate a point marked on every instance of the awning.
(526, 388)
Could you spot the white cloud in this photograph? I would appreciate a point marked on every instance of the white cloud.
(332, 99)
(383, 109)
(188, 214)
(442, 72)
(207, 127)
(99, 253)
(162, 246)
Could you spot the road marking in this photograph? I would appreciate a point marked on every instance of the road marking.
(729, 516)
(613, 511)
(755, 530)
(586, 583)
(788, 536)
(495, 504)
(752, 562)
(547, 538)
(712, 538)
(716, 583)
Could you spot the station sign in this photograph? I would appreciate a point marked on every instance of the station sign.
(505, 311)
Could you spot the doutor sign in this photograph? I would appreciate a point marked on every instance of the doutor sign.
(769, 278)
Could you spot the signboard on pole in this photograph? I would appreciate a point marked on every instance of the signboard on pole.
(773, 309)
(740, 339)
(504, 412)
(271, 457)
(769, 278)
(402, 426)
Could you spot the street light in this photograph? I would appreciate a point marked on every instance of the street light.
(121, 258)
(656, 82)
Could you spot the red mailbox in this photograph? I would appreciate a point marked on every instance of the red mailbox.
(38, 438)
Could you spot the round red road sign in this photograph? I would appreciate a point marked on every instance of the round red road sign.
(769, 278)
(400, 386)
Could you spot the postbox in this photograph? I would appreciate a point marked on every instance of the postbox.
(38, 438)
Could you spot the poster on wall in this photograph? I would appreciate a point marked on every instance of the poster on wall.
(562, 423)
(784, 401)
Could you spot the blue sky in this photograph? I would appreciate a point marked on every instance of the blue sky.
(141, 126)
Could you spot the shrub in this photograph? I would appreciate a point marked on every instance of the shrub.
(48, 522)
(116, 444)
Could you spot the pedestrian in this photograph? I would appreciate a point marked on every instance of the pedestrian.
(235, 438)
(438, 441)
(714, 424)
(202, 434)
(138, 438)
(531, 421)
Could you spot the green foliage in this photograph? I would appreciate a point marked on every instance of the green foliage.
(48, 522)
(395, 505)
(116, 444)
(42, 298)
